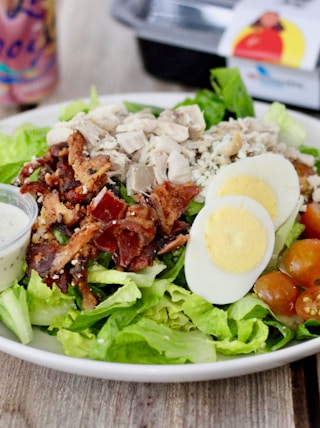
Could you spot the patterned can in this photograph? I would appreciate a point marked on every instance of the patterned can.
(28, 54)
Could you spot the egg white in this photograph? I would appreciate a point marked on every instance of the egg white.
(275, 170)
(203, 275)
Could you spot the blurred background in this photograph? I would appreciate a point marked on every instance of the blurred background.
(122, 46)
(95, 49)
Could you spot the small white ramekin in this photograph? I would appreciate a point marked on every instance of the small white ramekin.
(13, 249)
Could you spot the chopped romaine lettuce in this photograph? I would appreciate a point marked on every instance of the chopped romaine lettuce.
(151, 343)
(46, 303)
(228, 97)
(230, 88)
(73, 344)
(14, 312)
(27, 141)
(289, 231)
(308, 330)
(291, 131)
(208, 318)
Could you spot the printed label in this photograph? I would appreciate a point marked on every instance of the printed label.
(285, 32)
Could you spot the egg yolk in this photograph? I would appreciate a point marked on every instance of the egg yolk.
(254, 188)
(236, 240)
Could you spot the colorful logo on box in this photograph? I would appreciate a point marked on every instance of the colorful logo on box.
(271, 39)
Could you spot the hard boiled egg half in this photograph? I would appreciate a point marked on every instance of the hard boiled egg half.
(270, 179)
(232, 238)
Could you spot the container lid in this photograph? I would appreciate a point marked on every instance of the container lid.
(191, 24)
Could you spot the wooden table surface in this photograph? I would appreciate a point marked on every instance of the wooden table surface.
(94, 49)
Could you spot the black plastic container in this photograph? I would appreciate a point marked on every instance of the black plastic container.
(177, 39)
(186, 66)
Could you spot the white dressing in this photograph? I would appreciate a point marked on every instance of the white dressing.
(12, 221)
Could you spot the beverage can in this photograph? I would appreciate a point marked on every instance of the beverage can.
(28, 51)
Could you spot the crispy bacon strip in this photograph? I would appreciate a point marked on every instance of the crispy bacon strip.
(148, 228)
(170, 202)
(90, 172)
(67, 252)
(54, 211)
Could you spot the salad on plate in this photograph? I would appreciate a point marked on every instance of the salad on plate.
(168, 236)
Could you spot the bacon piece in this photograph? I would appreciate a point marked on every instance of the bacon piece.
(49, 258)
(170, 202)
(145, 258)
(91, 172)
(173, 244)
(54, 211)
(29, 168)
(62, 280)
(35, 188)
(304, 172)
(40, 257)
(106, 206)
(129, 235)
(77, 241)
(79, 273)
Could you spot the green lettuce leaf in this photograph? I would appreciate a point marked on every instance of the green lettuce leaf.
(229, 86)
(151, 343)
(46, 303)
(208, 318)
(291, 131)
(14, 312)
(124, 297)
(143, 278)
(26, 141)
(136, 107)
(288, 232)
(122, 317)
(169, 310)
(74, 344)
(252, 334)
(279, 335)
(308, 330)
(247, 307)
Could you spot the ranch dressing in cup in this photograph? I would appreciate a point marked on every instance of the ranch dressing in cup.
(17, 215)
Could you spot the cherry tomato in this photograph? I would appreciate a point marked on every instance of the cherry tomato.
(302, 262)
(308, 304)
(311, 220)
(278, 291)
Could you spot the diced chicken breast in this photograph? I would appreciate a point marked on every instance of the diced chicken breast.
(132, 141)
(179, 171)
(178, 133)
(108, 117)
(159, 162)
(146, 125)
(58, 134)
(189, 116)
(140, 178)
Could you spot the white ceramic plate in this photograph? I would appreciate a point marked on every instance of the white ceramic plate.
(46, 351)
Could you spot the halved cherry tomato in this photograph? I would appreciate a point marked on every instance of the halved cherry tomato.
(308, 304)
(311, 220)
(302, 262)
(278, 291)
